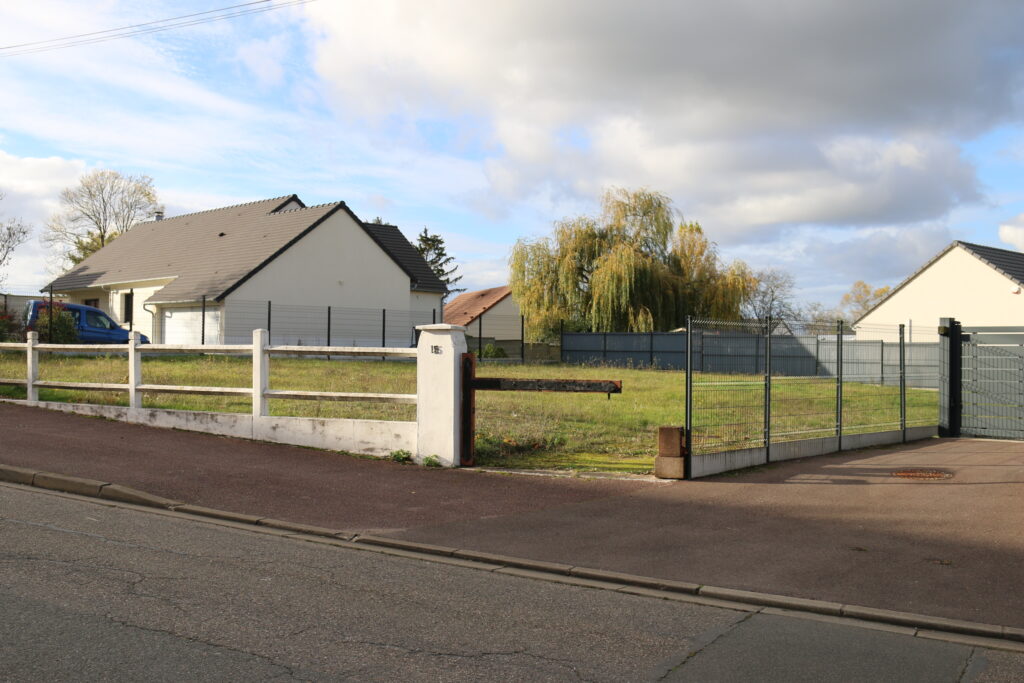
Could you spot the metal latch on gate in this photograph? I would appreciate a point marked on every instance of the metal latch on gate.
(472, 384)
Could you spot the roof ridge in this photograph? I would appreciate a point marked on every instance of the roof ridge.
(221, 208)
(314, 206)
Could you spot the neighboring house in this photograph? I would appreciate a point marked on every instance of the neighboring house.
(301, 258)
(978, 285)
(487, 313)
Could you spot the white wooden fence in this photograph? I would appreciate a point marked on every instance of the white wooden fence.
(438, 380)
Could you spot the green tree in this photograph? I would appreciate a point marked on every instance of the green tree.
(431, 247)
(634, 267)
(104, 205)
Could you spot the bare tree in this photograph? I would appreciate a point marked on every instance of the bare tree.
(13, 233)
(103, 205)
(772, 296)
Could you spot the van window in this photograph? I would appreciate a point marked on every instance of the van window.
(94, 319)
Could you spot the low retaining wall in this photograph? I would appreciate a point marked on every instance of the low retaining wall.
(367, 437)
(727, 461)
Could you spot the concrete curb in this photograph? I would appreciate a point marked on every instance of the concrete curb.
(918, 625)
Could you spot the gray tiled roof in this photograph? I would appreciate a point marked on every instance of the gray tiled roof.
(1009, 263)
(392, 241)
(208, 253)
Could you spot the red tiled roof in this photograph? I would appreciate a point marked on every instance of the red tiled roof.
(467, 307)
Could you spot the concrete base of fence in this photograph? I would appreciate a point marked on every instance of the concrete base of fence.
(366, 437)
(716, 463)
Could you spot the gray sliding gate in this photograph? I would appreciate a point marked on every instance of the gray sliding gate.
(982, 381)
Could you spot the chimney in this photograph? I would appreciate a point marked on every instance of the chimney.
(158, 214)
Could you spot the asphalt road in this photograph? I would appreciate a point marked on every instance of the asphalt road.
(90, 591)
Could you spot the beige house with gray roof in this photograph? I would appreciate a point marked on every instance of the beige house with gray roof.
(300, 258)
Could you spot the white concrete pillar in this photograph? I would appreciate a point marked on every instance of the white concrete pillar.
(260, 372)
(134, 370)
(32, 371)
(439, 392)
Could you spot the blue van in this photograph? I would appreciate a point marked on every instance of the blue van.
(94, 326)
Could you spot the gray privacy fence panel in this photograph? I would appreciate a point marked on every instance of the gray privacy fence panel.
(729, 352)
(993, 391)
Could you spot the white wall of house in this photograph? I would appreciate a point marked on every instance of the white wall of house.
(337, 264)
(500, 321)
(425, 302)
(958, 284)
(184, 324)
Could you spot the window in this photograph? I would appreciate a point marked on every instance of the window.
(127, 307)
(95, 303)
(98, 320)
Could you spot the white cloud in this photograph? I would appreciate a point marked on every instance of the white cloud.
(1012, 232)
(749, 114)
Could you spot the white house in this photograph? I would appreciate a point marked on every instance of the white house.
(977, 285)
(239, 262)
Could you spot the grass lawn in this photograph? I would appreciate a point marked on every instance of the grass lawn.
(517, 430)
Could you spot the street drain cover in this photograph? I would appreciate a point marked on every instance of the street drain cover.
(922, 474)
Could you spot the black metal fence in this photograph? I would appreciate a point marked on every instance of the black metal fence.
(754, 384)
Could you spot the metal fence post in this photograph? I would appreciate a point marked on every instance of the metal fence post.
(480, 336)
(49, 330)
(561, 341)
(881, 361)
(383, 327)
(839, 385)
(652, 348)
(604, 347)
(952, 387)
(268, 320)
(328, 328)
(768, 389)
(202, 324)
(688, 419)
(903, 385)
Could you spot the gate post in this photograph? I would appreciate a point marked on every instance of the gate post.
(439, 392)
(951, 379)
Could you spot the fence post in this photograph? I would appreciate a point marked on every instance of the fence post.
(202, 327)
(439, 392)
(604, 347)
(268, 321)
(480, 336)
(49, 330)
(903, 385)
(328, 328)
(260, 372)
(32, 369)
(651, 340)
(951, 385)
(839, 385)
(881, 361)
(134, 370)
(688, 419)
(768, 389)
(383, 328)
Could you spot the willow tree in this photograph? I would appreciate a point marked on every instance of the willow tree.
(635, 267)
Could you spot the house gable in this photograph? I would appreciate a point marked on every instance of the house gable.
(958, 283)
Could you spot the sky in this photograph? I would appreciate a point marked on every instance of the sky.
(838, 141)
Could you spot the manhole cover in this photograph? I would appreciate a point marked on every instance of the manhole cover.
(922, 474)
